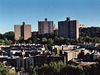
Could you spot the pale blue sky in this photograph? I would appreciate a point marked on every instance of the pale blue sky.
(31, 11)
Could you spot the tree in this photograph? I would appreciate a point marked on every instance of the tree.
(56, 40)
(9, 35)
(30, 41)
(73, 42)
(4, 70)
(31, 69)
(22, 68)
(44, 40)
(50, 41)
(10, 41)
(46, 47)
(67, 41)
(95, 69)
(36, 40)
(79, 70)
(1, 36)
(87, 70)
(21, 39)
(80, 39)
(61, 40)
(2, 42)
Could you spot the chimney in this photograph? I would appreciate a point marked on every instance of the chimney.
(23, 23)
(68, 19)
(62, 48)
(45, 19)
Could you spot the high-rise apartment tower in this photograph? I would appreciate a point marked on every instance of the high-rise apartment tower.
(22, 31)
(68, 28)
(45, 27)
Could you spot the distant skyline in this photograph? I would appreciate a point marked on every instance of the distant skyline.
(14, 12)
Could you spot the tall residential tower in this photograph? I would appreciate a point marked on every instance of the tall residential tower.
(45, 27)
(22, 31)
(68, 28)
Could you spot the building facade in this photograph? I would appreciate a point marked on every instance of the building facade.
(68, 28)
(34, 33)
(83, 26)
(90, 31)
(45, 27)
(22, 31)
(25, 62)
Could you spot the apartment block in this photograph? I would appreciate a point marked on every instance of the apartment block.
(22, 31)
(68, 28)
(45, 27)
(90, 31)
(83, 26)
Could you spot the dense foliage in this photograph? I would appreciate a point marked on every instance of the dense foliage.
(53, 39)
(61, 69)
(4, 70)
(89, 39)
(47, 39)
(7, 38)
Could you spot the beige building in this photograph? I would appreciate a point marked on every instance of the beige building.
(22, 31)
(72, 55)
(83, 26)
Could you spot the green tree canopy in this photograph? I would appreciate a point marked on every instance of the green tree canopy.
(9, 35)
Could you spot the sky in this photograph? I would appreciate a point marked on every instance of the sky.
(14, 12)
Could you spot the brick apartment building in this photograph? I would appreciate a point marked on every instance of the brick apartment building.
(22, 31)
(68, 28)
(90, 31)
(83, 26)
(45, 27)
(34, 33)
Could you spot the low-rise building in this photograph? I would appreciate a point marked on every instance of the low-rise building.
(27, 47)
(93, 46)
(57, 48)
(90, 31)
(19, 62)
(34, 33)
(4, 47)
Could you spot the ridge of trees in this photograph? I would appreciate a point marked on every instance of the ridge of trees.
(58, 68)
(47, 39)
(7, 38)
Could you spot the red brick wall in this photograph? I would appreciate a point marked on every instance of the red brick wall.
(22, 31)
(17, 30)
(27, 31)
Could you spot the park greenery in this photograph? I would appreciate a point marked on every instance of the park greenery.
(4, 70)
(7, 38)
(47, 39)
(58, 68)
(53, 68)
